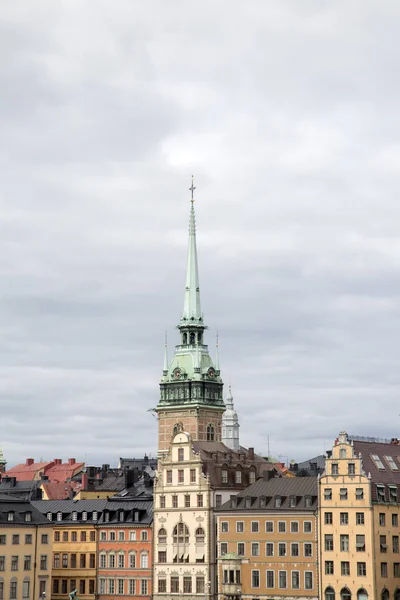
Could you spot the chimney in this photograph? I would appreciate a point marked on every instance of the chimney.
(84, 482)
(71, 461)
(57, 461)
(29, 462)
(251, 453)
(146, 459)
(394, 441)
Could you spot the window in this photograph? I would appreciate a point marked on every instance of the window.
(328, 493)
(294, 549)
(308, 580)
(210, 433)
(56, 561)
(74, 536)
(25, 588)
(174, 501)
(200, 500)
(73, 561)
(199, 535)
(294, 526)
(282, 526)
(255, 527)
(342, 453)
(240, 548)
(360, 518)
(395, 543)
(380, 493)
(395, 520)
(162, 501)
(144, 536)
(329, 569)
(282, 549)
(162, 536)
(361, 569)
(121, 561)
(181, 534)
(255, 579)
(328, 542)
(65, 536)
(360, 543)
(378, 463)
(345, 567)
(344, 543)
(200, 587)
(307, 527)
(359, 494)
(111, 561)
(43, 562)
(269, 526)
(181, 454)
(3, 540)
(382, 519)
(169, 476)
(224, 548)
(269, 549)
(181, 476)
(83, 536)
(111, 586)
(396, 569)
(252, 477)
(328, 518)
(10, 516)
(162, 587)
(393, 494)
(187, 585)
(307, 549)
(82, 586)
(56, 586)
(59, 516)
(282, 580)
(218, 500)
(344, 518)
(132, 536)
(351, 468)
(15, 539)
(255, 549)
(84, 515)
(278, 501)
(335, 469)
(174, 584)
(82, 562)
(1, 590)
(270, 579)
(384, 570)
(162, 556)
(103, 536)
(45, 538)
(132, 560)
(238, 477)
(112, 536)
(292, 501)
(14, 563)
(382, 541)
(64, 584)
(13, 590)
(330, 594)
(144, 560)
(121, 535)
(2, 563)
(27, 563)
(239, 526)
(343, 493)
(295, 580)
(224, 526)
(224, 475)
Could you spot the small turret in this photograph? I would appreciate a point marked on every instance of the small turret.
(230, 424)
(3, 462)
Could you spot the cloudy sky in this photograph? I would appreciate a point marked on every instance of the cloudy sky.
(287, 113)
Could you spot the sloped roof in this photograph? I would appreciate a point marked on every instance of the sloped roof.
(64, 471)
(19, 508)
(56, 490)
(100, 506)
(386, 476)
(24, 472)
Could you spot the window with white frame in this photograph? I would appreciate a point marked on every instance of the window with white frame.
(270, 579)
(255, 549)
(121, 560)
(269, 526)
(238, 477)
(294, 549)
(224, 526)
(307, 526)
(308, 580)
(255, 578)
(111, 586)
(239, 526)
(132, 590)
(143, 587)
(111, 561)
(132, 560)
(144, 536)
(295, 580)
(282, 576)
(282, 549)
(132, 536)
(121, 536)
(269, 549)
(103, 536)
(255, 527)
(120, 586)
(282, 526)
(103, 560)
(294, 527)
(144, 560)
(102, 585)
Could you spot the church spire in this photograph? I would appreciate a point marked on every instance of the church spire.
(165, 369)
(191, 305)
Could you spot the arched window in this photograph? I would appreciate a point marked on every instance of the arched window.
(345, 594)
(181, 534)
(210, 433)
(162, 536)
(362, 594)
(385, 594)
(185, 339)
(397, 594)
(176, 428)
(329, 593)
(192, 339)
(199, 535)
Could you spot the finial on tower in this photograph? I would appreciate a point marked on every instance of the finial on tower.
(191, 189)
(165, 369)
(217, 365)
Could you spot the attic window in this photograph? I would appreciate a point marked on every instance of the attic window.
(377, 461)
(95, 516)
(393, 493)
(59, 516)
(84, 516)
(106, 516)
(121, 516)
(49, 516)
(28, 516)
(74, 516)
(380, 491)
(278, 501)
(11, 516)
(248, 502)
(308, 501)
(391, 463)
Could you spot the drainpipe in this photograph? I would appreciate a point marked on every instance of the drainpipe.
(35, 560)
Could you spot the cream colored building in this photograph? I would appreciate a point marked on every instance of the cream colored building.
(25, 551)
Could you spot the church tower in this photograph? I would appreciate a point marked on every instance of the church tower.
(191, 385)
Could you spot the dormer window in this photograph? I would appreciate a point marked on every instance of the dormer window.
(74, 515)
(11, 516)
(278, 501)
(84, 516)
(121, 516)
(59, 516)
(95, 515)
(248, 502)
(49, 516)
(292, 501)
(308, 501)
(28, 516)
(106, 516)
(380, 492)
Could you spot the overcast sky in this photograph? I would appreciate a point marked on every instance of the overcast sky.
(287, 113)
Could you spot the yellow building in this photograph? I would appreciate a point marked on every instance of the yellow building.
(359, 520)
(267, 541)
(25, 551)
(74, 560)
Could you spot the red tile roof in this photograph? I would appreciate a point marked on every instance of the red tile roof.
(29, 471)
(55, 490)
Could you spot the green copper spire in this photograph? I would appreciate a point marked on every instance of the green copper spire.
(191, 305)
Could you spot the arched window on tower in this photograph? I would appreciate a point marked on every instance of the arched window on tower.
(185, 339)
(210, 433)
(192, 339)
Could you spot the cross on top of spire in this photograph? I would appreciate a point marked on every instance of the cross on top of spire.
(192, 188)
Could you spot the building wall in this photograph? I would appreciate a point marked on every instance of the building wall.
(25, 561)
(345, 512)
(125, 553)
(185, 556)
(386, 521)
(194, 421)
(254, 539)
(74, 560)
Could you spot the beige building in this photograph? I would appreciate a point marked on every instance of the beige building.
(25, 551)
(359, 520)
(267, 541)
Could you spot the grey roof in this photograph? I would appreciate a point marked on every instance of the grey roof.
(28, 490)
(19, 508)
(285, 487)
(307, 464)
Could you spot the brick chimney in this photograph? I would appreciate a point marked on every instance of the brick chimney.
(84, 481)
(29, 462)
(251, 453)
(71, 461)
(57, 461)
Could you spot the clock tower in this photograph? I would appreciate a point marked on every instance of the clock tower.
(191, 385)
